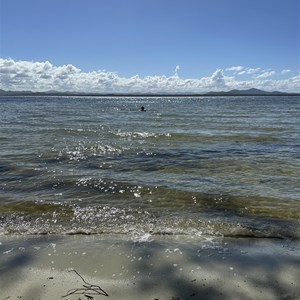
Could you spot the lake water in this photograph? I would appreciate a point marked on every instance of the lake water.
(200, 166)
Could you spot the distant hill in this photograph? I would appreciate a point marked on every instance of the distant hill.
(2, 92)
(248, 92)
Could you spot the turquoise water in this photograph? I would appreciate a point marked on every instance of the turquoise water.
(207, 166)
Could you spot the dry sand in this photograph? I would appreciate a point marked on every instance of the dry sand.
(170, 267)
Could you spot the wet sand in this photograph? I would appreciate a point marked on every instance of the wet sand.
(161, 267)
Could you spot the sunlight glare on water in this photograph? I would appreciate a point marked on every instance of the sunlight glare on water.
(194, 166)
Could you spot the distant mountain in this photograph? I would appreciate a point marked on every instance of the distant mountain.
(2, 92)
(248, 92)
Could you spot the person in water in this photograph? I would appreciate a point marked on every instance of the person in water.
(142, 108)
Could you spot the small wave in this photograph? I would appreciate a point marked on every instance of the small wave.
(256, 227)
(55, 218)
(85, 150)
(136, 134)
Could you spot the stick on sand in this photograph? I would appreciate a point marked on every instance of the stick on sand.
(87, 289)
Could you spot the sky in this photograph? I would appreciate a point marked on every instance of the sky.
(157, 46)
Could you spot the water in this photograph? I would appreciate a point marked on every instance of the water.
(205, 166)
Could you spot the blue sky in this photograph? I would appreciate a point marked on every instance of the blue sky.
(150, 45)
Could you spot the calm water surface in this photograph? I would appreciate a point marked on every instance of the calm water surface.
(206, 166)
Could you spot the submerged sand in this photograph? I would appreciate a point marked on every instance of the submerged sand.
(165, 267)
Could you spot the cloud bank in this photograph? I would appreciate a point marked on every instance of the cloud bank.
(44, 76)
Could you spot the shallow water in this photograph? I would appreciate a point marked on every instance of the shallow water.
(193, 166)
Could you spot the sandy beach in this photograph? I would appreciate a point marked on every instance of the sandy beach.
(164, 267)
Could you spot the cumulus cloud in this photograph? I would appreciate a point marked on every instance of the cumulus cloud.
(285, 71)
(218, 78)
(44, 76)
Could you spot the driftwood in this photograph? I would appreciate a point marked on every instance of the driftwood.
(87, 289)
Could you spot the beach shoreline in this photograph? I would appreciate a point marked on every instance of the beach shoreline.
(148, 267)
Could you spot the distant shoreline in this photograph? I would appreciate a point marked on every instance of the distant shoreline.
(232, 93)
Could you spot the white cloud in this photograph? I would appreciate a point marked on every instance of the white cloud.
(43, 76)
(266, 74)
(253, 70)
(218, 79)
(176, 72)
(285, 71)
(240, 70)
(235, 69)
